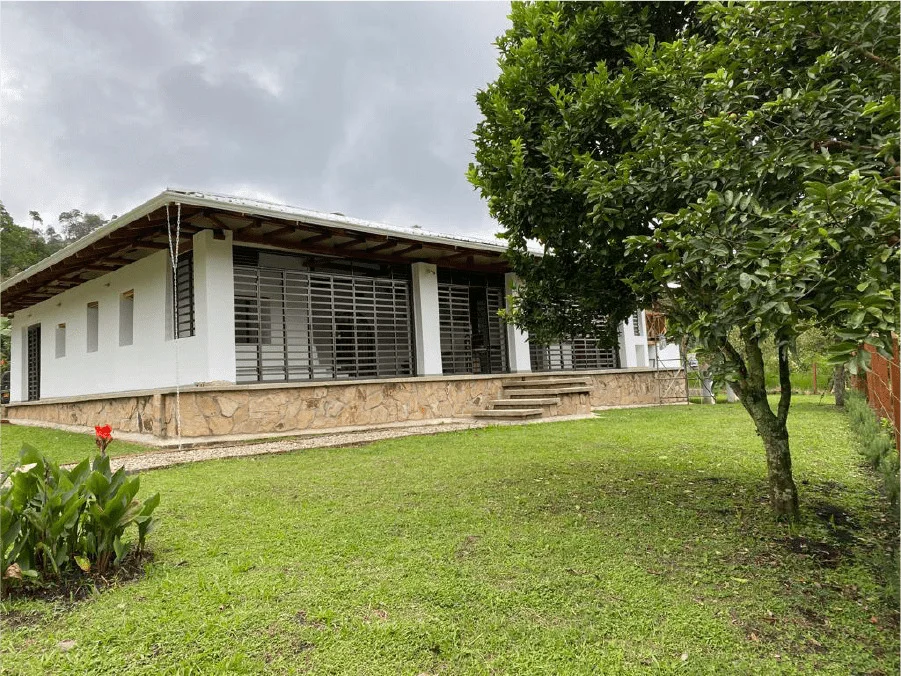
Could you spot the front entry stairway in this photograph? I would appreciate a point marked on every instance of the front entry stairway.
(540, 396)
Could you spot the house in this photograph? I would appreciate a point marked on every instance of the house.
(280, 320)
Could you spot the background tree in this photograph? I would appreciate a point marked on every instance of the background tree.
(737, 165)
(20, 247)
(75, 224)
(35, 219)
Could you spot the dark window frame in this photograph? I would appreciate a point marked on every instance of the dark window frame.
(183, 319)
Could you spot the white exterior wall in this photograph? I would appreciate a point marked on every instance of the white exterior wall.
(633, 350)
(668, 356)
(150, 361)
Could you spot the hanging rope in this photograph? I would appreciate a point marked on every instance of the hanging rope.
(173, 258)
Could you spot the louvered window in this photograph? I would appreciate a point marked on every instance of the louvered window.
(183, 307)
(302, 318)
(33, 345)
(456, 330)
(473, 336)
(636, 323)
(572, 355)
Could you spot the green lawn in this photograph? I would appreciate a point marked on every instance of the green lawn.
(58, 445)
(639, 542)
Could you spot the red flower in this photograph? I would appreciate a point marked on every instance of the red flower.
(104, 437)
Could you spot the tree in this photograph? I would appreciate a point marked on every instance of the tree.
(35, 218)
(737, 165)
(19, 247)
(75, 224)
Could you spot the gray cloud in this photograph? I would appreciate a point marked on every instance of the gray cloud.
(363, 108)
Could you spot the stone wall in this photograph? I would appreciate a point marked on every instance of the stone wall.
(269, 409)
(262, 411)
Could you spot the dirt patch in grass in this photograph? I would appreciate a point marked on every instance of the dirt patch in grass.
(467, 546)
(77, 587)
(825, 554)
(13, 619)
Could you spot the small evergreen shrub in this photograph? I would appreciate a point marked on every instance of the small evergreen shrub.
(878, 447)
(55, 523)
(876, 443)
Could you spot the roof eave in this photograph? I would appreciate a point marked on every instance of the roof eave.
(139, 212)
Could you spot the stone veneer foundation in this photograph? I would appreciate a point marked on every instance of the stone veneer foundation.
(263, 409)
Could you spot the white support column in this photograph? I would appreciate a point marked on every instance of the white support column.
(426, 320)
(517, 340)
(214, 303)
(18, 358)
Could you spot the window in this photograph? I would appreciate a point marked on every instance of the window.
(183, 297)
(60, 340)
(253, 321)
(303, 318)
(636, 323)
(572, 355)
(93, 332)
(126, 318)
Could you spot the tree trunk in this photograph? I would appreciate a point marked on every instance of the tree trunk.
(774, 434)
(751, 390)
(838, 385)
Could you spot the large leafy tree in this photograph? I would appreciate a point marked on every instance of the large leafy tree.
(737, 165)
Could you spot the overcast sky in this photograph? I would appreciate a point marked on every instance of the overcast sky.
(363, 108)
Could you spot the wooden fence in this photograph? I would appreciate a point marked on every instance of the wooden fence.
(882, 387)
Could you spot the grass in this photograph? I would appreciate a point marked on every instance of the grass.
(58, 445)
(633, 543)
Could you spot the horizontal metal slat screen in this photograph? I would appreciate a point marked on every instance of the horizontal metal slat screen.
(497, 334)
(293, 324)
(573, 355)
(456, 329)
(473, 336)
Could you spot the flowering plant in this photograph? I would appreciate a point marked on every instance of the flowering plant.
(104, 435)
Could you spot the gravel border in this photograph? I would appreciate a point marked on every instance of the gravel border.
(162, 459)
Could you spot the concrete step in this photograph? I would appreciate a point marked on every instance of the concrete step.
(520, 402)
(557, 391)
(509, 413)
(534, 383)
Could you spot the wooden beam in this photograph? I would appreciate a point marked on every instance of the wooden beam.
(147, 244)
(281, 231)
(332, 253)
(412, 247)
(381, 247)
(316, 238)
